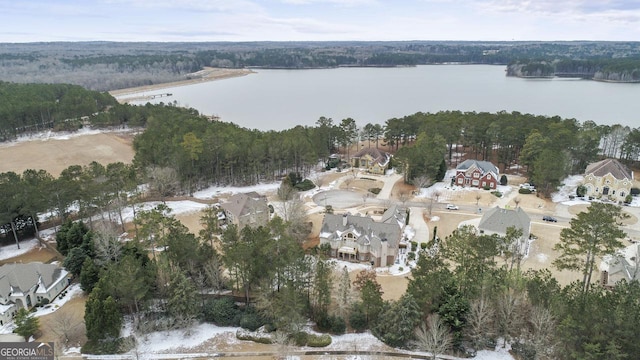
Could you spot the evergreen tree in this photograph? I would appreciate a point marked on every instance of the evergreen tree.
(183, 303)
(591, 235)
(26, 324)
(102, 316)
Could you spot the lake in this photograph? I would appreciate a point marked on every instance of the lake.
(281, 99)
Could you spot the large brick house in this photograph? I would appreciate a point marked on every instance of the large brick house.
(476, 173)
(608, 179)
(250, 209)
(361, 239)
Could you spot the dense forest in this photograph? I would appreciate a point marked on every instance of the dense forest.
(108, 66)
(467, 290)
(603, 69)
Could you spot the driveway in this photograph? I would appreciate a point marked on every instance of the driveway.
(416, 221)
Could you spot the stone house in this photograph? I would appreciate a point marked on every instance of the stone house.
(362, 239)
(608, 179)
(250, 209)
(372, 160)
(476, 173)
(25, 285)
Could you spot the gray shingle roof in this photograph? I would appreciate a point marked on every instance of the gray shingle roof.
(240, 204)
(606, 166)
(497, 220)
(366, 227)
(485, 166)
(22, 277)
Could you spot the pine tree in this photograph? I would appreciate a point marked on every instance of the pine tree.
(591, 235)
(183, 302)
(26, 324)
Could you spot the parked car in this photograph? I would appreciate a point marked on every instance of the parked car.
(452, 207)
(549, 218)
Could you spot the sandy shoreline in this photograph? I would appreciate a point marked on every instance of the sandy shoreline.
(207, 74)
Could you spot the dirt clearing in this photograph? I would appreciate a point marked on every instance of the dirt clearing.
(57, 154)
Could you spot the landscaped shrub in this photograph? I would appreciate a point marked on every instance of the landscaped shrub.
(423, 246)
(503, 180)
(305, 185)
(250, 321)
(411, 256)
(497, 194)
(258, 337)
(628, 199)
(486, 187)
(375, 190)
(300, 338)
(338, 326)
(524, 191)
(414, 245)
(581, 190)
(318, 340)
(223, 312)
(357, 318)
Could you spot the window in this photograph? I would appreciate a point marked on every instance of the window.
(489, 177)
(460, 180)
(484, 183)
(475, 182)
(476, 175)
(491, 185)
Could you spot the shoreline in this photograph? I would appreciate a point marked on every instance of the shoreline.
(207, 74)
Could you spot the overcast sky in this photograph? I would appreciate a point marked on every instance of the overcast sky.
(312, 20)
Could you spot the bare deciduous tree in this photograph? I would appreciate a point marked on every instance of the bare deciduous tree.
(164, 181)
(480, 321)
(542, 333)
(510, 315)
(433, 337)
(106, 243)
(68, 327)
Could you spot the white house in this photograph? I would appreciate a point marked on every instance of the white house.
(25, 285)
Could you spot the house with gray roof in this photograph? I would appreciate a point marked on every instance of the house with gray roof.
(623, 265)
(25, 285)
(476, 173)
(249, 209)
(362, 239)
(372, 160)
(497, 220)
(608, 179)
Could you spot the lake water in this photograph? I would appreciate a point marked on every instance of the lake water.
(281, 99)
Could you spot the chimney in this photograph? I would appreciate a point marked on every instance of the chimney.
(344, 220)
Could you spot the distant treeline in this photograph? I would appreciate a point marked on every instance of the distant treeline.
(108, 66)
(618, 70)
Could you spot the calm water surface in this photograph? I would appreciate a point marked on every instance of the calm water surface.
(281, 99)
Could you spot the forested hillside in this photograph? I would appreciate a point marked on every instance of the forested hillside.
(108, 66)
(30, 108)
(616, 70)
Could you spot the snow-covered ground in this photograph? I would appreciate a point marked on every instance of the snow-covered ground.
(71, 292)
(62, 135)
